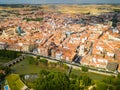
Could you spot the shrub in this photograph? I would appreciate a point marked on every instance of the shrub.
(52, 64)
(65, 66)
(44, 61)
(85, 69)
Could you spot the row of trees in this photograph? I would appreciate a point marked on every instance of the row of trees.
(7, 54)
(42, 61)
(37, 61)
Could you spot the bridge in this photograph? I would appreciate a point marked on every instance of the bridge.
(10, 63)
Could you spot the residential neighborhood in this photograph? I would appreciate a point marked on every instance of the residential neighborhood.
(64, 36)
(84, 39)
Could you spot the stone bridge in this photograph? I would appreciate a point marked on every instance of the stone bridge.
(10, 63)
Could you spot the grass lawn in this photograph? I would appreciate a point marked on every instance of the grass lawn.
(24, 67)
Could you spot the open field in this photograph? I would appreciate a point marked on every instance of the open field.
(76, 9)
(63, 8)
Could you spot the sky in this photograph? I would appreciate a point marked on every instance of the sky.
(56, 1)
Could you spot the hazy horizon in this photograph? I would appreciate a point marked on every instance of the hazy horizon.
(59, 1)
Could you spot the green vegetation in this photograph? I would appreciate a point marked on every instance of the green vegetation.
(43, 61)
(33, 19)
(60, 81)
(114, 20)
(84, 69)
(14, 82)
(54, 80)
(7, 55)
(4, 60)
(109, 83)
(116, 10)
(93, 76)
(53, 75)
(34, 65)
(3, 72)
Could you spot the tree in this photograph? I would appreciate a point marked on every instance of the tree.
(38, 57)
(44, 62)
(7, 54)
(101, 86)
(6, 70)
(118, 76)
(108, 80)
(110, 87)
(44, 73)
(1, 76)
(85, 69)
(31, 60)
(74, 87)
(86, 81)
(111, 83)
(60, 81)
(53, 81)
(118, 87)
